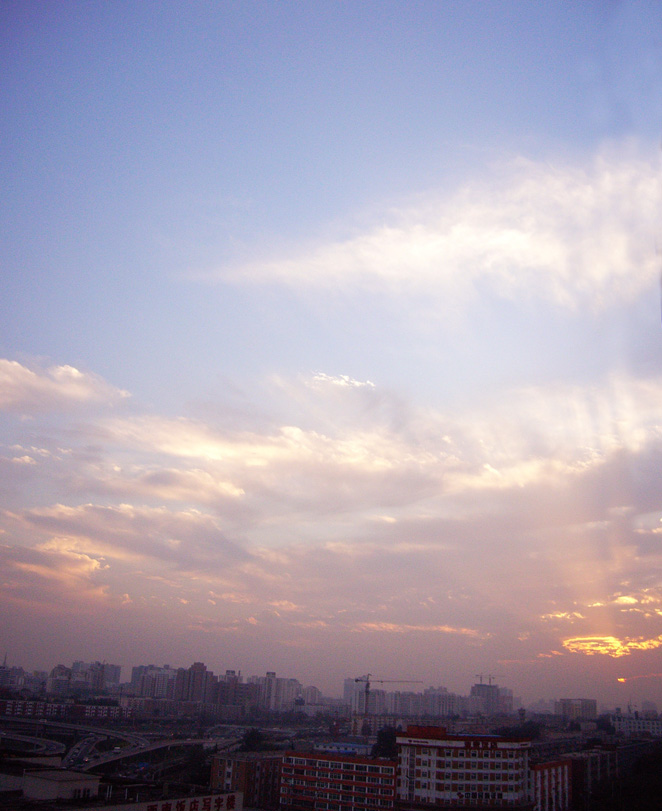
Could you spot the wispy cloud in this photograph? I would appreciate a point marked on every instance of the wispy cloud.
(395, 628)
(575, 235)
(127, 532)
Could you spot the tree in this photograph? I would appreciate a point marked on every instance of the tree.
(253, 741)
(386, 745)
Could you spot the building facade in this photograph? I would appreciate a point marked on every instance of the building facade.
(551, 785)
(437, 769)
(255, 775)
(577, 709)
(634, 726)
(316, 782)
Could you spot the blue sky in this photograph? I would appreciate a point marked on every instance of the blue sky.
(330, 336)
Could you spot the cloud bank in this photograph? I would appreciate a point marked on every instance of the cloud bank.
(376, 529)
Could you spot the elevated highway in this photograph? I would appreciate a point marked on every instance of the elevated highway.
(127, 752)
(40, 746)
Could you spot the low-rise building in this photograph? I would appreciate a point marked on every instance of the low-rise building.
(255, 774)
(59, 784)
(316, 782)
(634, 726)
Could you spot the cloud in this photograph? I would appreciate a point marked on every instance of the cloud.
(320, 379)
(186, 539)
(610, 646)
(579, 237)
(497, 515)
(531, 457)
(51, 577)
(191, 486)
(57, 388)
(402, 628)
(288, 467)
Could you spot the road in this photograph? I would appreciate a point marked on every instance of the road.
(141, 749)
(41, 746)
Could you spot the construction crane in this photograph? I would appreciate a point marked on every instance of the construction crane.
(368, 680)
(490, 676)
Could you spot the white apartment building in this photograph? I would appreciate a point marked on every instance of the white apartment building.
(633, 725)
(437, 769)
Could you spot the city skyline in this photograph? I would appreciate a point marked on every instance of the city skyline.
(277, 692)
(330, 339)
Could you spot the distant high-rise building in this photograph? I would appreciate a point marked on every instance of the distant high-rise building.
(577, 709)
(276, 694)
(489, 694)
(59, 680)
(195, 684)
(112, 674)
(439, 703)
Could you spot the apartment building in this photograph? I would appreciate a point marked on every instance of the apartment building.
(577, 709)
(255, 774)
(551, 785)
(437, 769)
(316, 782)
(634, 726)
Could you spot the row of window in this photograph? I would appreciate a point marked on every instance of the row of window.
(434, 751)
(333, 795)
(331, 765)
(326, 764)
(492, 767)
(460, 755)
(456, 802)
(295, 781)
(345, 777)
(441, 787)
(337, 807)
(474, 778)
(355, 801)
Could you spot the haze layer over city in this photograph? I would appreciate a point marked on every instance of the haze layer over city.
(330, 340)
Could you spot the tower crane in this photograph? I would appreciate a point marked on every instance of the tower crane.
(490, 677)
(368, 680)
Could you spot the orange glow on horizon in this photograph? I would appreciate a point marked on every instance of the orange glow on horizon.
(610, 645)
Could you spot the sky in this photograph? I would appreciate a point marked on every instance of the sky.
(330, 340)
